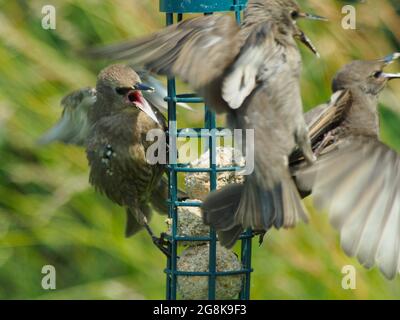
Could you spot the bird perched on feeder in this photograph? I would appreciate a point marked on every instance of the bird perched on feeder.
(252, 73)
(356, 177)
(112, 122)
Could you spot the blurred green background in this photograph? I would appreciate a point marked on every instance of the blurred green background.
(50, 215)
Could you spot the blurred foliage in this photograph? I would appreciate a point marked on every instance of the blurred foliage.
(50, 215)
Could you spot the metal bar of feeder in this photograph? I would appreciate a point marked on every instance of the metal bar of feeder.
(177, 168)
(210, 274)
(173, 184)
(210, 123)
(178, 7)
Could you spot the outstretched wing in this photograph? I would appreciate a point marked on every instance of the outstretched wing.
(73, 127)
(197, 50)
(358, 183)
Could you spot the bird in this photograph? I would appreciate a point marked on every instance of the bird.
(356, 176)
(112, 122)
(250, 72)
(73, 126)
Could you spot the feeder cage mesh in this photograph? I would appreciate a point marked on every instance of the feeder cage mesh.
(174, 10)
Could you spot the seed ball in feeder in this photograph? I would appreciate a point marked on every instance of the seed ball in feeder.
(198, 183)
(190, 224)
(196, 259)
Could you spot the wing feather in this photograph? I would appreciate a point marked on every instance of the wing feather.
(73, 126)
(198, 50)
(242, 79)
(358, 184)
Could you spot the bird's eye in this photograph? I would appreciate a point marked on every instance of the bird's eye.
(122, 91)
(294, 14)
(377, 74)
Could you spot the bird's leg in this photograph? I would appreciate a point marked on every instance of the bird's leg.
(159, 242)
(328, 138)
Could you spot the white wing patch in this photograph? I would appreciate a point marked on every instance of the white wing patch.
(242, 81)
(259, 48)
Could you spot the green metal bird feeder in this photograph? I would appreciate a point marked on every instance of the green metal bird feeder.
(174, 10)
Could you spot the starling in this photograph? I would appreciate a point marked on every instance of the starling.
(356, 176)
(73, 126)
(251, 72)
(112, 122)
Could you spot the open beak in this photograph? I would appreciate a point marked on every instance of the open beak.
(147, 109)
(141, 102)
(143, 87)
(389, 59)
(390, 76)
(311, 16)
(302, 36)
(306, 40)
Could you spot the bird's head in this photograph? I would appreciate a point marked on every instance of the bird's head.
(368, 76)
(120, 88)
(286, 14)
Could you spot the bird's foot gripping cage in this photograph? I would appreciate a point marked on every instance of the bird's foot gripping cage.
(174, 10)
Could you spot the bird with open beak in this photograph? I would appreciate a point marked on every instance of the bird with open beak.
(112, 122)
(356, 177)
(251, 72)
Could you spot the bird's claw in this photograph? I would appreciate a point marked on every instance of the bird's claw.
(261, 239)
(160, 243)
(329, 138)
(261, 235)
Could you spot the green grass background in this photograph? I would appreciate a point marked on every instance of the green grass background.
(50, 215)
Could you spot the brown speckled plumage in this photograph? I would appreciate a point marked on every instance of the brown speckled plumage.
(116, 147)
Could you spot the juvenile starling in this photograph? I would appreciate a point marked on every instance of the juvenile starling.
(356, 177)
(252, 73)
(112, 122)
(73, 126)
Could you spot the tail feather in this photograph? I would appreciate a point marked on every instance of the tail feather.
(293, 208)
(238, 207)
(160, 195)
(132, 225)
(220, 206)
(228, 238)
